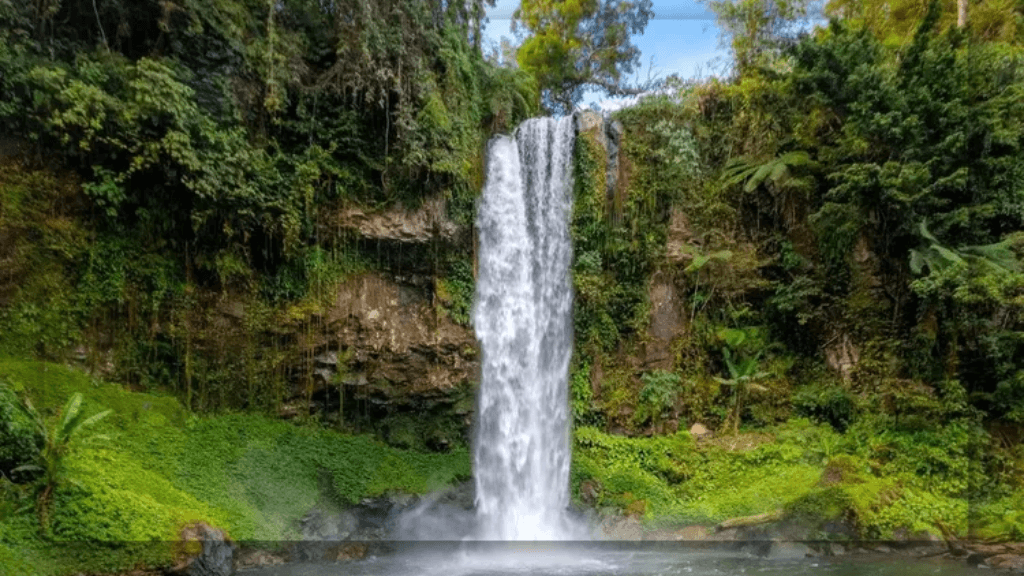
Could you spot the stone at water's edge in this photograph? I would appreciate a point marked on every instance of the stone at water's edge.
(255, 558)
(205, 551)
(1006, 562)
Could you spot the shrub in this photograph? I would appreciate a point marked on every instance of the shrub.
(826, 402)
(20, 441)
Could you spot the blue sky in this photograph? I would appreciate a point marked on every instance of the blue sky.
(681, 38)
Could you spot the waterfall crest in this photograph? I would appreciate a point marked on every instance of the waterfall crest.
(523, 318)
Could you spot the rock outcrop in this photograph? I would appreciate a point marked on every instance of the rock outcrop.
(391, 334)
(399, 224)
(667, 322)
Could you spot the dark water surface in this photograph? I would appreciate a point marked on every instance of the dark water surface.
(570, 559)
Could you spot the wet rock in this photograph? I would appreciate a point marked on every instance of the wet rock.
(791, 530)
(882, 548)
(329, 358)
(613, 132)
(318, 525)
(395, 338)
(790, 551)
(255, 558)
(617, 528)
(1012, 562)
(232, 309)
(346, 552)
(589, 491)
(592, 122)
(446, 515)
(324, 375)
(666, 322)
(204, 551)
(975, 559)
(678, 245)
(842, 355)
(838, 529)
(693, 533)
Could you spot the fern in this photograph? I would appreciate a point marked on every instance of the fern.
(779, 171)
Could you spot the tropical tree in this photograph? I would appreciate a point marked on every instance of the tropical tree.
(743, 377)
(60, 441)
(742, 349)
(895, 21)
(756, 29)
(573, 45)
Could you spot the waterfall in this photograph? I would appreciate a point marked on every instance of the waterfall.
(523, 318)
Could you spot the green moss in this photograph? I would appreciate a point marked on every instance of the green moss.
(115, 498)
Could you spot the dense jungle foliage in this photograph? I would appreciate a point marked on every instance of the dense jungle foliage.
(838, 228)
(160, 154)
(818, 258)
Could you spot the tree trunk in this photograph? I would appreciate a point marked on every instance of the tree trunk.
(45, 504)
(961, 13)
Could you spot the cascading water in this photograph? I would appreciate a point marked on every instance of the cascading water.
(523, 319)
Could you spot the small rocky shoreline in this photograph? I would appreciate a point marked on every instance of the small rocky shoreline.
(366, 530)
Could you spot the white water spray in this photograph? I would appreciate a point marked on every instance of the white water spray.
(523, 319)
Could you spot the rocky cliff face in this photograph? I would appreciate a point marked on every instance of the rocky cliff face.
(400, 364)
(427, 223)
(384, 343)
(389, 332)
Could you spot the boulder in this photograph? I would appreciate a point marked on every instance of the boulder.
(790, 551)
(589, 492)
(1011, 562)
(255, 558)
(618, 528)
(693, 533)
(347, 551)
(205, 551)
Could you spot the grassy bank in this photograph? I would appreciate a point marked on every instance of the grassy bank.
(878, 481)
(161, 468)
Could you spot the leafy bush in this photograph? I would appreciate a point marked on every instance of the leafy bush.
(659, 395)
(826, 402)
(1001, 519)
(60, 442)
(20, 441)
